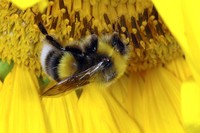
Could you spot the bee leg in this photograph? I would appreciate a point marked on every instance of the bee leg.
(92, 45)
(79, 91)
(117, 43)
(49, 38)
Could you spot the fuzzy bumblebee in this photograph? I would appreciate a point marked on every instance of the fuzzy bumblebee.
(91, 59)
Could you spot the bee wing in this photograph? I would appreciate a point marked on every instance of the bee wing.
(74, 81)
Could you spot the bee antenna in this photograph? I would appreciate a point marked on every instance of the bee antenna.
(37, 18)
(42, 28)
(33, 12)
(127, 44)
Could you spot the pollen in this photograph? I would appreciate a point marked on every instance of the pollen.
(19, 38)
(136, 21)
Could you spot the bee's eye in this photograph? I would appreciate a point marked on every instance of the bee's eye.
(117, 43)
(93, 44)
(107, 62)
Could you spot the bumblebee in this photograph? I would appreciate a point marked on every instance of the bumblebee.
(90, 59)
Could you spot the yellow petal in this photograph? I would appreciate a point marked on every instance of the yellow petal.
(23, 4)
(63, 114)
(182, 19)
(180, 69)
(102, 114)
(190, 94)
(192, 27)
(20, 107)
(162, 102)
(153, 100)
(0, 85)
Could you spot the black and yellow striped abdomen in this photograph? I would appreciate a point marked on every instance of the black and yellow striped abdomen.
(57, 64)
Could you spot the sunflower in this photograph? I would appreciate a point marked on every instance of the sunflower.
(158, 93)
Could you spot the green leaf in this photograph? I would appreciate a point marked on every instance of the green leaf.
(5, 68)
